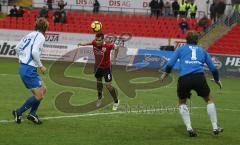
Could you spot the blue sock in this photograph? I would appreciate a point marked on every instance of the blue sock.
(34, 108)
(28, 104)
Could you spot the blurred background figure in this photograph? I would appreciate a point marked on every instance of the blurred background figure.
(61, 5)
(220, 9)
(167, 8)
(175, 8)
(49, 4)
(236, 12)
(160, 6)
(63, 17)
(153, 7)
(13, 11)
(20, 12)
(213, 14)
(203, 22)
(182, 9)
(56, 16)
(183, 26)
(193, 10)
(96, 6)
(44, 12)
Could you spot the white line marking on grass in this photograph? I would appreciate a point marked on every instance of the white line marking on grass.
(91, 114)
(9, 75)
(120, 112)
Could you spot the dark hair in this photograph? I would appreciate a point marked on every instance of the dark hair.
(41, 24)
(192, 37)
(100, 35)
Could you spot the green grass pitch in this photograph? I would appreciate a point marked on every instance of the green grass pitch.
(132, 126)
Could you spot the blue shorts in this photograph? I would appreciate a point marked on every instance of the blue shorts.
(30, 77)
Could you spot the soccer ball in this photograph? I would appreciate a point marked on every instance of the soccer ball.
(96, 26)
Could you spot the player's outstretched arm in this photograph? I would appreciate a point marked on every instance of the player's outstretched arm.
(83, 44)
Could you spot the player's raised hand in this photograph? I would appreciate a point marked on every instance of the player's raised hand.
(164, 76)
(43, 69)
(219, 84)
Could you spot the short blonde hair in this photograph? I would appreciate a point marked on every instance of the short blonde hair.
(41, 24)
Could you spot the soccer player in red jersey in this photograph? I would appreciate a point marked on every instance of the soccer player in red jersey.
(102, 68)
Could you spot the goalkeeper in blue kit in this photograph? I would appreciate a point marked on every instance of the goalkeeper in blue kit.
(192, 59)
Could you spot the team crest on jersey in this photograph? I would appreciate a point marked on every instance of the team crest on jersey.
(99, 51)
(104, 49)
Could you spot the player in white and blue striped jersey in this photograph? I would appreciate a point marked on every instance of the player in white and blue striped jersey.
(192, 59)
(29, 51)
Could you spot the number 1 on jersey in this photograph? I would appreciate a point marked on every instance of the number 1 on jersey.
(194, 53)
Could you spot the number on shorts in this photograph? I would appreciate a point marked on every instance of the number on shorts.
(109, 76)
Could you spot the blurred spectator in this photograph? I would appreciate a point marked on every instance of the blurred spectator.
(0, 7)
(236, 8)
(220, 8)
(175, 8)
(213, 11)
(182, 9)
(44, 12)
(56, 16)
(203, 22)
(59, 16)
(193, 10)
(167, 8)
(20, 12)
(61, 5)
(160, 6)
(236, 13)
(63, 17)
(153, 6)
(13, 12)
(96, 6)
(49, 4)
(184, 25)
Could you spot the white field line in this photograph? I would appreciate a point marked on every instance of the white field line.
(120, 112)
(9, 75)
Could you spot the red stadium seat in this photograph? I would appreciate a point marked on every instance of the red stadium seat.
(79, 22)
(228, 44)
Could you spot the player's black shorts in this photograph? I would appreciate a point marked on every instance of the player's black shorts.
(196, 82)
(104, 72)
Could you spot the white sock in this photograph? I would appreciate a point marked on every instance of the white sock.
(183, 110)
(212, 114)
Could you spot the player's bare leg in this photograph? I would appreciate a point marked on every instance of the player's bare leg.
(211, 109)
(184, 112)
(99, 89)
(112, 91)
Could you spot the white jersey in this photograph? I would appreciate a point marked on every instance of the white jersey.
(29, 49)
